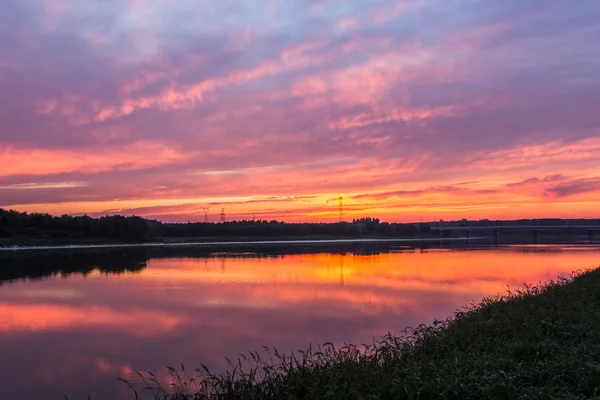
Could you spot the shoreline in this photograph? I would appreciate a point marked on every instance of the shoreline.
(297, 241)
(16, 248)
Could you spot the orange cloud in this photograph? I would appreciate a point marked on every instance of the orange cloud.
(143, 154)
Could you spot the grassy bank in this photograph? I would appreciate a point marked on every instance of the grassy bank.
(540, 342)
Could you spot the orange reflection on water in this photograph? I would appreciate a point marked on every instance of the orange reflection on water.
(475, 272)
(169, 292)
(198, 310)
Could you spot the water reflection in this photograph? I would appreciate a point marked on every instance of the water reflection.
(40, 266)
(98, 316)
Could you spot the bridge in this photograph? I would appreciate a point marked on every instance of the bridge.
(592, 230)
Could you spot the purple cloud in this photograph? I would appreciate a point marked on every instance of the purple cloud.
(575, 186)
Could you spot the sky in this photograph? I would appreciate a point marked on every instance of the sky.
(273, 109)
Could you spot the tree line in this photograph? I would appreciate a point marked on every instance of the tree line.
(15, 226)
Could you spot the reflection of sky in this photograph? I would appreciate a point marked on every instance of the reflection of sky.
(74, 336)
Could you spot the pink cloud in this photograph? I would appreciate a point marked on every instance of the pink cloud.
(137, 155)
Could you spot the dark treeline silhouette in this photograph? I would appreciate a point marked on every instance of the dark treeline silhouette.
(261, 228)
(16, 227)
(24, 228)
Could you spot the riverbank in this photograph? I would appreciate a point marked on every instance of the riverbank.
(226, 243)
(539, 342)
(7, 245)
(101, 241)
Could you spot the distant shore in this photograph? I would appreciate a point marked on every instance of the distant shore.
(223, 242)
(13, 245)
(27, 231)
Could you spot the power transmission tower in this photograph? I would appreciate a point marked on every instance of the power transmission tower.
(205, 214)
(341, 209)
(222, 214)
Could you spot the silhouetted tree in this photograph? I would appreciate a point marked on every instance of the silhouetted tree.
(22, 226)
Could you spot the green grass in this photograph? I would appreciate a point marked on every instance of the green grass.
(537, 343)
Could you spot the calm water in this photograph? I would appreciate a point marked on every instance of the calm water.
(71, 324)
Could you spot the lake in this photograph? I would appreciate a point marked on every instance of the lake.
(71, 323)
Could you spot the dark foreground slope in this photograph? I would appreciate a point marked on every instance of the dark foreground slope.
(542, 342)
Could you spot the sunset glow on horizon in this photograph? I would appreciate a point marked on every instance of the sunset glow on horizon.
(410, 110)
